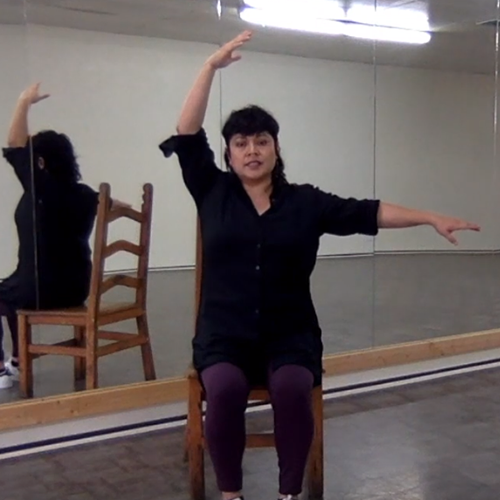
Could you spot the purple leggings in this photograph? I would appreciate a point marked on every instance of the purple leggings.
(227, 390)
(11, 316)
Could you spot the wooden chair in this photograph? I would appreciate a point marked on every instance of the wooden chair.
(194, 438)
(88, 319)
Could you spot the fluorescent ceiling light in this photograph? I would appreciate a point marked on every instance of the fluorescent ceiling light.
(390, 17)
(322, 9)
(383, 34)
(395, 17)
(289, 19)
(292, 22)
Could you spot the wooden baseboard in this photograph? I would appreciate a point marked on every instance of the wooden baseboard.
(410, 352)
(50, 410)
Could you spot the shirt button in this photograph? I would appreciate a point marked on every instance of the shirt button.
(257, 268)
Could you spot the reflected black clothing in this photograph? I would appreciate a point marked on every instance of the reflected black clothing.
(256, 304)
(54, 221)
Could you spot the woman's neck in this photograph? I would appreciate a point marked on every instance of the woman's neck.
(258, 189)
(260, 194)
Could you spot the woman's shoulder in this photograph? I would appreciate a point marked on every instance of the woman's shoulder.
(304, 190)
(85, 188)
(307, 196)
(84, 193)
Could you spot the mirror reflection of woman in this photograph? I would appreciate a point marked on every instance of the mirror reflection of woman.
(54, 220)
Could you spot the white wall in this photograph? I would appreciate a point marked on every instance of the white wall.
(13, 77)
(435, 149)
(119, 96)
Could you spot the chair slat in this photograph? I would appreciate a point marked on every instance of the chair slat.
(122, 246)
(122, 345)
(119, 280)
(124, 212)
(64, 348)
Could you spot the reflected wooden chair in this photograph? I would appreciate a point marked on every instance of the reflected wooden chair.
(195, 440)
(88, 319)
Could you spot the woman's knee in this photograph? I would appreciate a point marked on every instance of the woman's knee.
(225, 384)
(291, 385)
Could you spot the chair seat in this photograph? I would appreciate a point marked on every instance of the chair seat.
(70, 311)
(78, 315)
(106, 308)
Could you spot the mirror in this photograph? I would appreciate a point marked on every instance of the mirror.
(16, 209)
(435, 150)
(360, 116)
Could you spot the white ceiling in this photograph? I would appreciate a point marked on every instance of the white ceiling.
(458, 43)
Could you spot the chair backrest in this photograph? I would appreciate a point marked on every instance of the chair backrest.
(107, 214)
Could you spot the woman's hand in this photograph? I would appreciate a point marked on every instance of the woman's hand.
(194, 109)
(392, 216)
(32, 94)
(446, 226)
(19, 130)
(225, 55)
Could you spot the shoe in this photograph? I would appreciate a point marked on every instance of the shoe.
(5, 380)
(290, 497)
(12, 370)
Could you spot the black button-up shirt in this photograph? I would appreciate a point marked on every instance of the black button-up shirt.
(255, 293)
(54, 222)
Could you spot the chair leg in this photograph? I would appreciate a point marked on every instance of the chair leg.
(194, 440)
(147, 353)
(79, 335)
(186, 438)
(25, 358)
(91, 380)
(316, 457)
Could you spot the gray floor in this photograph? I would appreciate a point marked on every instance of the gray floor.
(433, 441)
(361, 302)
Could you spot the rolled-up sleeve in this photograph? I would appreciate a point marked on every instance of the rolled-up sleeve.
(21, 161)
(197, 162)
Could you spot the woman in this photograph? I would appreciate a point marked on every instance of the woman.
(54, 219)
(260, 234)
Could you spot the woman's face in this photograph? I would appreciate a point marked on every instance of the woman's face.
(253, 158)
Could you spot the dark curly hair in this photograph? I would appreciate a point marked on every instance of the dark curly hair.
(252, 120)
(58, 154)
